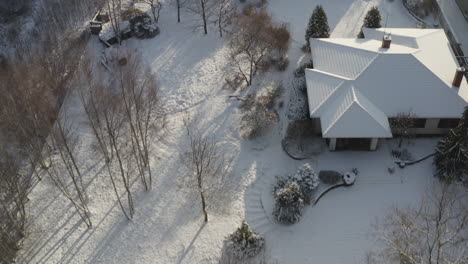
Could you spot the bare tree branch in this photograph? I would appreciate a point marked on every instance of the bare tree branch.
(434, 232)
(206, 163)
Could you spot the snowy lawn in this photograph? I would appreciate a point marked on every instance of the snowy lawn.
(338, 228)
(168, 225)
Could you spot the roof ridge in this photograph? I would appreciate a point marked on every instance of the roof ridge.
(432, 31)
(365, 109)
(331, 41)
(341, 114)
(344, 78)
(367, 66)
(328, 97)
(435, 74)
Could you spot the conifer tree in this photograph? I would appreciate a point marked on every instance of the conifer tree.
(373, 18)
(451, 158)
(318, 25)
(360, 34)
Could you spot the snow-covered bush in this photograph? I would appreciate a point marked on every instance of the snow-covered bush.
(330, 177)
(300, 72)
(289, 201)
(257, 113)
(420, 7)
(268, 99)
(282, 63)
(298, 106)
(244, 243)
(257, 121)
(413, 4)
(402, 154)
(307, 179)
(142, 27)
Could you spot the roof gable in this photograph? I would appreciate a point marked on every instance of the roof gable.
(352, 115)
(324, 86)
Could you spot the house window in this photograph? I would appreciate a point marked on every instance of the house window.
(448, 123)
(419, 123)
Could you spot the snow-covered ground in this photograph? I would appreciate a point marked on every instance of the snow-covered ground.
(456, 21)
(168, 225)
(338, 228)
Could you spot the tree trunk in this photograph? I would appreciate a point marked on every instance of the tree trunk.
(204, 16)
(251, 74)
(202, 196)
(204, 205)
(153, 9)
(220, 27)
(178, 13)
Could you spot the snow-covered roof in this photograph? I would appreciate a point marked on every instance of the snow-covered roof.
(352, 115)
(107, 31)
(415, 74)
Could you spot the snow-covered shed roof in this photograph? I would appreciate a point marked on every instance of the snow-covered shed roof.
(415, 74)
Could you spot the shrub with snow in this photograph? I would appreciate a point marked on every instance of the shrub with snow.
(244, 243)
(420, 7)
(142, 27)
(289, 201)
(413, 4)
(330, 177)
(300, 72)
(257, 121)
(307, 179)
(298, 106)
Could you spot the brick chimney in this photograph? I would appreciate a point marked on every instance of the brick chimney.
(458, 77)
(386, 41)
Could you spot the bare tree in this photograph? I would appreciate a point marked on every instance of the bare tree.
(91, 92)
(64, 141)
(401, 125)
(32, 92)
(156, 6)
(139, 91)
(225, 11)
(434, 232)
(253, 38)
(114, 8)
(14, 187)
(56, 73)
(113, 116)
(179, 4)
(206, 163)
(105, 120)
(204, 9)
(28, 111)
(105, 110)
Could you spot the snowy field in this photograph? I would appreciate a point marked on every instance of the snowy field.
(168, 225)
